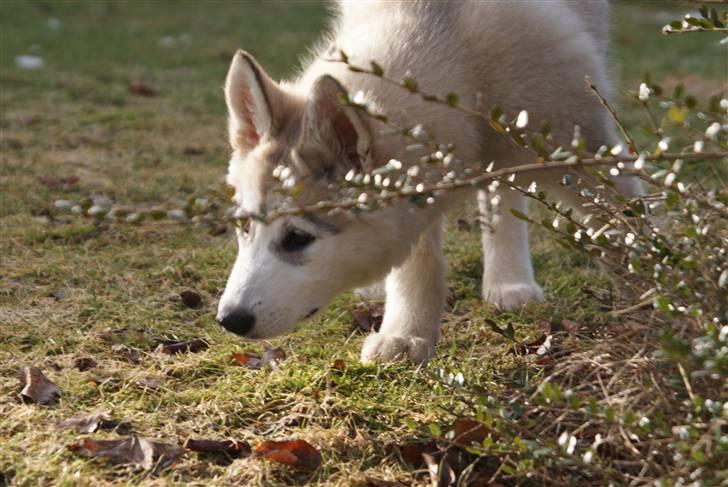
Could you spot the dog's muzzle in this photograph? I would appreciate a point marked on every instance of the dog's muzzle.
(239, 322)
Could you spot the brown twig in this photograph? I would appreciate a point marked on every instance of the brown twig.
(474, 182)
(605, 103)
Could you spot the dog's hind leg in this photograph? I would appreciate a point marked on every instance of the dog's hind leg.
(508, 281)
(416, 293)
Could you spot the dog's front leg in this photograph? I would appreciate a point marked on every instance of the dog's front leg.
(416, 293)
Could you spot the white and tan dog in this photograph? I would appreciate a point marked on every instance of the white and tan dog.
(517, 54)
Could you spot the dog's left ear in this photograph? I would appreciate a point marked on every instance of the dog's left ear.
(254, 101)
(333, 134)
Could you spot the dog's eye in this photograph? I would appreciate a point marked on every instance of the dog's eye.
(295, 240)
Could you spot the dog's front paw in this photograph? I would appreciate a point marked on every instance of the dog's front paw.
(379, 347)
(512, 296)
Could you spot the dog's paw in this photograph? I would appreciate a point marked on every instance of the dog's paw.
(512, 296)
(386, 348)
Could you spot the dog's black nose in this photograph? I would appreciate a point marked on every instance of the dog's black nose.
(239, 322)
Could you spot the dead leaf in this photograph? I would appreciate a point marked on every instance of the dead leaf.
(142, 89)
(86, 423)
(36, 386)
(368, 317)
(231, 448)
(113, 335)
(192, 150)
(191, 298)
(485, 480)
(296, 453)
(55, 182)
(375, 482)
(544, 326)
(570, 326)
(441, 473)
(126, 353)
(467, 431)
(191, 346)
(412, 453)
(84, 363)
(545, 347)
(339, 364)
(133, 450)
(249, 358)
(153, 384)
(273, 357)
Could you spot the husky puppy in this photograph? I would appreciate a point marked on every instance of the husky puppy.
(518, 54)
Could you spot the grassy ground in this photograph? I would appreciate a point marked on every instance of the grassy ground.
(69, 288)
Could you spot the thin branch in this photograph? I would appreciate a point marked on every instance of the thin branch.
(473, 182)
(605, 103)
(695, 29)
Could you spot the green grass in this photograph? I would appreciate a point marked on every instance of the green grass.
(120, 283)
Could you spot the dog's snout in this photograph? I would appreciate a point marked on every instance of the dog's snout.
(239, 322)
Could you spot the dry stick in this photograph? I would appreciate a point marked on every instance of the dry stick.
(694, 29)
(634, 307)
(477, 181)
(603, 101)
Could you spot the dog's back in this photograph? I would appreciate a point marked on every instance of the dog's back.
(518, 55)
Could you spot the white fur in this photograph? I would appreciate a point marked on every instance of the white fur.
(529, 55)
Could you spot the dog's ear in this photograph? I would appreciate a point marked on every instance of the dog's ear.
(251, 98)
(334, 135)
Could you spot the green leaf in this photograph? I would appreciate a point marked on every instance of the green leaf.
(520, 215)
(377, 70)
(410, 83)
(495, 113)
(452, 99)
(678, 91)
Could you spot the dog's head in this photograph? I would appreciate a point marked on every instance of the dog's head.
(289, 269)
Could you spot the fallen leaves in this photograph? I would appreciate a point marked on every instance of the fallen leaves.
(273, 357)
(37, 387)
(191, 298)
(547, 344)
(467, 431)
(133, 450)
(248, 358)
(368, 317)
(441, 473)
(375, 482)
(191, 346)
(141, 88)
(84, 363)
(232, 448)
(63, 183)
(86, 423)
(412, 453)
(295, 453)
(447, 457)
(127, 353)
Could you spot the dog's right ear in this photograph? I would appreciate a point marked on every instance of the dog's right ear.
(251, 99)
